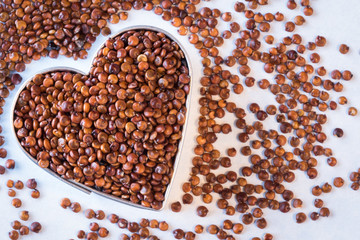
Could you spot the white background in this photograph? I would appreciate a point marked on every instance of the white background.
(337, 20)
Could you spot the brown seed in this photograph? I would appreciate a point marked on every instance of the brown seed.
(133, 227)
(338, 132)
(287, 195)
(342, 100)
(163, 226)
(199, 229)
(226, 16)
(320, 41)
(221, 234)
(19, 184)
(332, 161)
(346, 75)
(89, 213)
(324, 212)
(10, 183)
(10, 164)
(20, 25)
(344, 49)
(237, 228)
(315, 58)
(24, 215)
(291, 4)
(65, 203)
(226, 34)
(231, 152)
(269, 39)
(189, 236)
(300, 217)
(354, 176)
(3, 153)
(144, 232)
(314, 216)
(24, 230)
(318, 203)
(35, 194)
(227, 224)
(2, 170)
(16, 225)
(284, 207)
(355, 186)
(222, 203)
(100, 215)
(316, 191)
(133, 40)
(249, 82)
(289, 26)
(326, 188)
(178, 233)
(247, 219)
(13, 235)
(202, 211)
(305, 3)
(268, 236)
(103, 232)
(213, 229)
(333, 105)
(16, 202)
(186, 187)
(113, 218)
(239, 7)
(234, 27)
(338, 182)
(11, 193)
(321, 71)
(35, 227)
(297, 203)
(122, 223)
(261, 223)
(154, 223)
(144, 222)
(279, 16)
(75, 207)
(299, 20)
(352, 111)
(94, 226)
(335, 74)
(31, 183)
(176, 207)
(92, 236)
(81, 234)
(123, 236)
(254, 107)
(308, 11)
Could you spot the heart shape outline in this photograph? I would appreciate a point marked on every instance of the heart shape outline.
(83, 187)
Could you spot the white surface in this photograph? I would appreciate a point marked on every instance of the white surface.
(338, 21)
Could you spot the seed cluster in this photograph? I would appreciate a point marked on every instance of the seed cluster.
(30, 30)
(20, 229)
(19, 185)
(355, 179)
(116, 130)
(138, 230)
(77, 135)
(301, 91)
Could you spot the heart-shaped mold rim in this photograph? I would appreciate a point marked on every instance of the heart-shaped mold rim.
(81, 186)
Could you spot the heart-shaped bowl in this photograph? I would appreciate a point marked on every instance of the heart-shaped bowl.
(81, 186)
